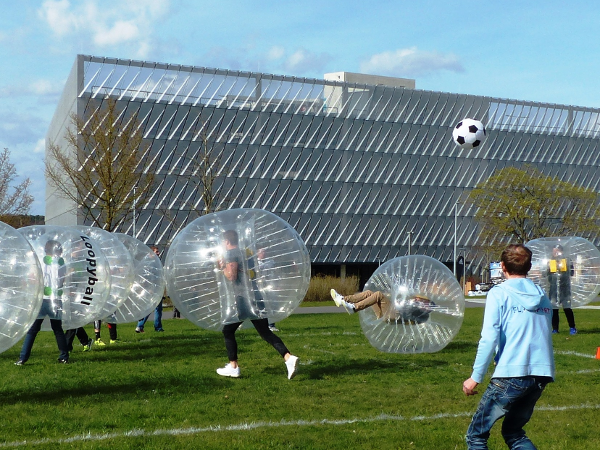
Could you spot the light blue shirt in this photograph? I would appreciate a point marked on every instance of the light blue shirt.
(517, 326)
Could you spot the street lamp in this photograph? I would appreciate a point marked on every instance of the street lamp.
(134, 211)
(410, 233)
(455, 229)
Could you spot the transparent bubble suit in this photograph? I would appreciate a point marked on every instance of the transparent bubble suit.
(21, 286)
(121, 267)
(275, 269)
(75, 272)
(401, 280)
(567, 268)
(148, 285)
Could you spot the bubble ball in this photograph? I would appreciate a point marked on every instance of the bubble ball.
(567, 268)
(21, 286)
(120, 264)
(75, 273)
(468, 134)
(273, 268)
(424, 306)
(148, 287)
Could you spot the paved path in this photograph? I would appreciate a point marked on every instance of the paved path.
(473, 303)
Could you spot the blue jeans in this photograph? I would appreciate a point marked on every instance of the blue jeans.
(157, 318)
(513, 399)
(59, 334)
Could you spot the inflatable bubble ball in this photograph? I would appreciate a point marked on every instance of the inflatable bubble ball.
(21, 286)
(120, 264)
(567, 268)
(234, 265)
(422, 309)
(75, 273)
(148, 287)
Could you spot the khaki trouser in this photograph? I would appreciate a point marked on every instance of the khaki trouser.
(362, 300)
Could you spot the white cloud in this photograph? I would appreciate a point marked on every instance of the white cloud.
(275, 52)
(102, 23)
(40, 146)
(45, 87)
(121, 31)
(58, 16)
(410, 62)
(302, 61)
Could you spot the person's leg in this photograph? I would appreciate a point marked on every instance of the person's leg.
(570, 317)
(82, 336)
(112, 331)
(291, 361)
(61, 341)
(158, 317)
(262, 326)
(230, 342)
(555, 320)
(523, 393)
(231, 369)
(97, 331)
(488, 412)
(30, 339)
(140, 324)
(70, 337)
(368, 298)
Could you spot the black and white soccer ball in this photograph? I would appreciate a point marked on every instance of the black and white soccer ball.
(468, 133)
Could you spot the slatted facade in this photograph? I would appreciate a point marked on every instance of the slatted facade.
(353, 168)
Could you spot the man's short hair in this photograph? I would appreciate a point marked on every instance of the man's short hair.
(516, 259)
(231, 236)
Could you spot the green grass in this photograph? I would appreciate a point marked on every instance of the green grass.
(347, 395)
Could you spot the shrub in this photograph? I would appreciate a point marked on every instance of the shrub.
(320, 285)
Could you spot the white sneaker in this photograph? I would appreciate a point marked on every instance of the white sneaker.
(229, 371)
(338, 299)
(349, 307)
(291, 364)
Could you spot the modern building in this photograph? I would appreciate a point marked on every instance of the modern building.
(363, 167)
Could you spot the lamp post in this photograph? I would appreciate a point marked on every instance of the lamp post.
(134, 211)
(464, 271)
(410, 233)
(455, 230)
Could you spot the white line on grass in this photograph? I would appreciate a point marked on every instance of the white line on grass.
(256, 425)
(583, 355)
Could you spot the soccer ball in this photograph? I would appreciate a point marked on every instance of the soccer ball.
(468, 134)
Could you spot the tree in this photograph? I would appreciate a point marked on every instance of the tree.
(106, 168)
(16, 200)
(201, 171)
(525, 204)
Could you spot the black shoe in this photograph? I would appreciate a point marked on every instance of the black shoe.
(159, 329)
(63, 361)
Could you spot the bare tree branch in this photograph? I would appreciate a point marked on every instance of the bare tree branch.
(105, 167)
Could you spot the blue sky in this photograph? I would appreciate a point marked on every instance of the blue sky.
(543, 51)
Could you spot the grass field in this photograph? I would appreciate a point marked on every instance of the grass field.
(160, 391)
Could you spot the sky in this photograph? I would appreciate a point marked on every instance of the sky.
(545, 51)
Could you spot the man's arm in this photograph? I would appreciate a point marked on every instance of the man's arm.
(469, 386)
(487, 344)
(230, 270)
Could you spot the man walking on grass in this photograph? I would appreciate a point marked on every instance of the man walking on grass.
(517, 327)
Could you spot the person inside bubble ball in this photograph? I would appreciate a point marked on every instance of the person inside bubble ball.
(559, 275)
(265, 270)
(414, 309)
(158, 311)
(516, 326)
(54, 271)
(232, 267)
